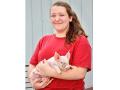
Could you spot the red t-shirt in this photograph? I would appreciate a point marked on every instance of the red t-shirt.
(80, 51)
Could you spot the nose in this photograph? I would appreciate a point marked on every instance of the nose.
(57, 18)
(67, 67)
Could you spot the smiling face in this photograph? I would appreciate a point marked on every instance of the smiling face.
(59, 18)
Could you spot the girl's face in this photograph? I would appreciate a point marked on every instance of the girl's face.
(59, 18)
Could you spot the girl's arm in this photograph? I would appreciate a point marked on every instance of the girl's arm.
(75, 73)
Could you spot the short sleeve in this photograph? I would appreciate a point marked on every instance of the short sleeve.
(82, 53)
(34, 58)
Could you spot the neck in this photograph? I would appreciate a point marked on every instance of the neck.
(60, 34)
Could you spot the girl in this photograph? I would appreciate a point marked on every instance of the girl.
(68, 36)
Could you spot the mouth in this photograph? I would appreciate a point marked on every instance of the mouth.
(57, 23)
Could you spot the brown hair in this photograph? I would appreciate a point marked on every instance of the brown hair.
(75, 28)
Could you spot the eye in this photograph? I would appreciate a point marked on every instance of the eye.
(62, 15)
(53, 15)
(61, 62)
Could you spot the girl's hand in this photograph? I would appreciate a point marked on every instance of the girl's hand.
(44, 69)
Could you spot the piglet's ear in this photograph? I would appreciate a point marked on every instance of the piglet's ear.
(56, 56)
(68, 55)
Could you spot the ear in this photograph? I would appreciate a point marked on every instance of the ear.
(68, 55)
(70, 18)
(56, 56)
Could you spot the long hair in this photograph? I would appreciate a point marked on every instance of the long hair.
(75, 28)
